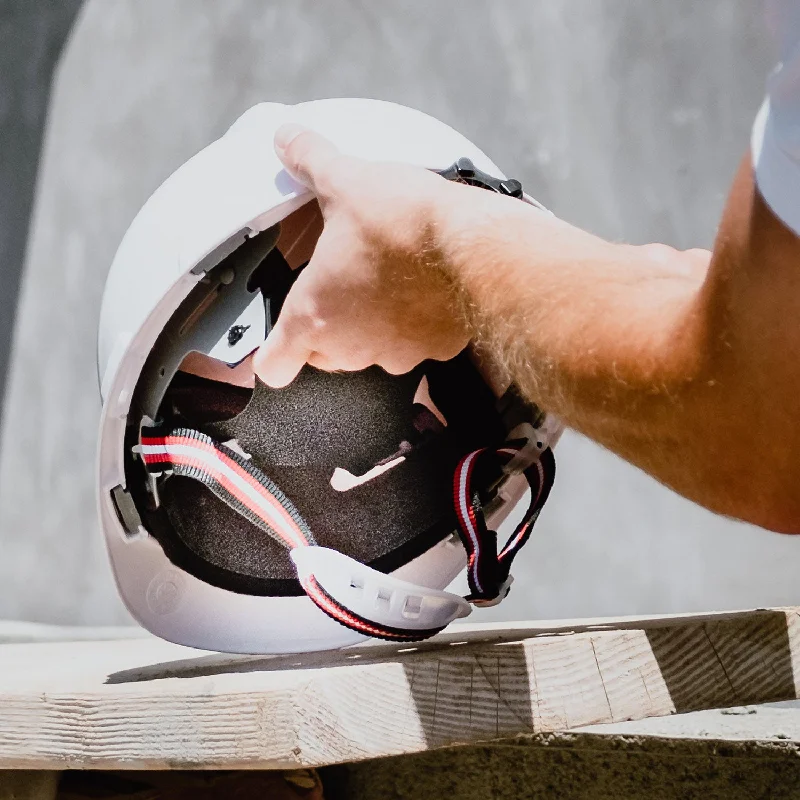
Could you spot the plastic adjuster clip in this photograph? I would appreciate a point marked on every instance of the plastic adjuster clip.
(374, 596)
(464, 171)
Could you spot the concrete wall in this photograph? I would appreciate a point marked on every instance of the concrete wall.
(31, 36)
(625, 117)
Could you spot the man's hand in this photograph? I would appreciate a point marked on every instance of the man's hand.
(373, 292)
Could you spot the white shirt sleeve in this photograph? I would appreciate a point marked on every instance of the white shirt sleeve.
(775, 140)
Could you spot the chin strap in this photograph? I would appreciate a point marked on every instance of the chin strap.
(230, 476)
(489, 572)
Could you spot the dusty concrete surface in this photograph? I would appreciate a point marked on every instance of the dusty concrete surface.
(579, 767)
(17, 632)
(26, 784)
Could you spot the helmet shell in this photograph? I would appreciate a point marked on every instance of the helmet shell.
(232, 189)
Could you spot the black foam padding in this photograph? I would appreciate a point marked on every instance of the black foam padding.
(351, 420)
(468, 404)
(298, 436)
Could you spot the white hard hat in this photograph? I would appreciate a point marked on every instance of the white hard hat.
(247, 519)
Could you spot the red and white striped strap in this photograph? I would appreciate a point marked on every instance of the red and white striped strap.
(230, 476)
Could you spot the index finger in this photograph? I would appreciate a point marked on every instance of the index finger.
(278, 361)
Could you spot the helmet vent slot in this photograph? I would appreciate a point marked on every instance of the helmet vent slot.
(384, 598)
(412, 607)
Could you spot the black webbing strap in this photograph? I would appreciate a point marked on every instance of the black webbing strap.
(488, 571)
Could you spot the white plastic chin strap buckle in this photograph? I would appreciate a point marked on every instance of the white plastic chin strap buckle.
(387, 603)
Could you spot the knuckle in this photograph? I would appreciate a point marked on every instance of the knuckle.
(312, 318)
(349, 354)
(317, 325)
(302, 314)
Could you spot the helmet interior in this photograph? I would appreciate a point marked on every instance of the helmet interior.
(367, 458)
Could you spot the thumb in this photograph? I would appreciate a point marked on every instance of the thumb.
(306, 154)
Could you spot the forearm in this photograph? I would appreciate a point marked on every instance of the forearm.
(629, 345)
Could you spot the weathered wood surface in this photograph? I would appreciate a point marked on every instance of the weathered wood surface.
(149, 704)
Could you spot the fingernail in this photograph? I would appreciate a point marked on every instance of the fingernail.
(286, 134)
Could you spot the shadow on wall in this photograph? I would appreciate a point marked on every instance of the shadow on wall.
(32, 35)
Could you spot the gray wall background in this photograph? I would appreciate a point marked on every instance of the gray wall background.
(625, 117)
(31, 37)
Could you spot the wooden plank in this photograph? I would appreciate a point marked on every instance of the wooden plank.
(147, 704)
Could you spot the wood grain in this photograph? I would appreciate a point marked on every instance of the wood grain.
(147, 704)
